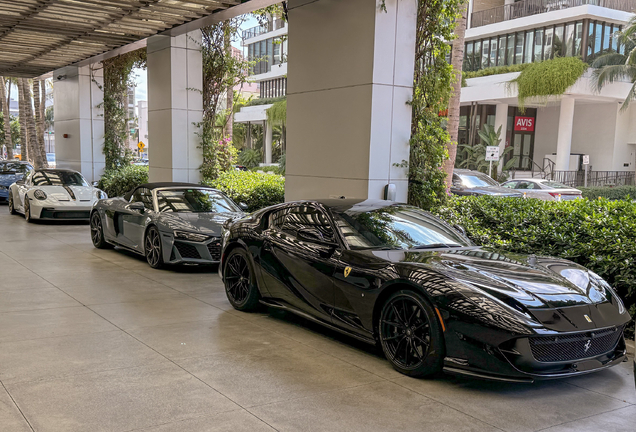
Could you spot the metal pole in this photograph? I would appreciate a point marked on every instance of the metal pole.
(585, 180)
(490, 170)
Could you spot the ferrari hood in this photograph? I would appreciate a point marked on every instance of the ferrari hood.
(535, 282)
(206, 223)
(68, 193)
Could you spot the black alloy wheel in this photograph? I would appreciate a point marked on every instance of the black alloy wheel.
(27, 210)
(97, 232)
(11, 204)
(410, 334)
(153, 249)
(240, 284)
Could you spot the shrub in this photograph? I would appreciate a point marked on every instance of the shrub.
(611, 193)
(257, 190)
(250, 158)
(118, 182)
(267, 169)
(598, 234)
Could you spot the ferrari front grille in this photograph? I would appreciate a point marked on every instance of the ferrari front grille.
(187, 250)
(214, 247)
(575, 346)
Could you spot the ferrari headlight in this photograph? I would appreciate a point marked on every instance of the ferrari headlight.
(100, 194)
(184, 235)
(39, 194)
(603, 283)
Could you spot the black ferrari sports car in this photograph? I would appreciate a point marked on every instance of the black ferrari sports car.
(392, 274)
(168, 223)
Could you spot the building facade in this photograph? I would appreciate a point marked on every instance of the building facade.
(550, 137)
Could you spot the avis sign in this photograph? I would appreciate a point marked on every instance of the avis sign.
(524, 124)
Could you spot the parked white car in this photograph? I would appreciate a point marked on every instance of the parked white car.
(54, 194)
(547, 190)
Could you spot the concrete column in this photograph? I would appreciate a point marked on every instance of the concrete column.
(175, 107)
(501, 120)
(564, 136)
(350, 79)
(77, 115)
(268, 142)
(469, 18)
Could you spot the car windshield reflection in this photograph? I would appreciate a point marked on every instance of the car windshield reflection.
(14, 168)
(58, 178)
(476, 180)
(194, 201)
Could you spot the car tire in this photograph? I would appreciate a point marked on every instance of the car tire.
(241, 287)
(411, 335)
(97, 232)
(27, 210)
(11, 204)
(153, 248)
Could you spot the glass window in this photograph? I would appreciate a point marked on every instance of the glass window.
(578, 38)
(307, 217)
(58, 178)
(519, 48)
(194, 201)
(468, 57)
(277, 218)
(590, 38)
(598, 38)
(547, 45)
(501, 57)
(529, 47)
(538, 45)
(558, 49)
(556, 185)
(485, 54)
(614, 40)
(14, 168)
(510, 49)
(607, 32)
(493, 52)
(477, 63)
(396, 227)
(143, 195)
(476, 180)
(568, 40)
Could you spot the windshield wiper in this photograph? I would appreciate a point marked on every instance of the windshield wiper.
(435, 246)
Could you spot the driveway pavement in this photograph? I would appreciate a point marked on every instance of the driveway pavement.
(94, 340)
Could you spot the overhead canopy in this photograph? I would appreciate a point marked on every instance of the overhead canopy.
(38, 36)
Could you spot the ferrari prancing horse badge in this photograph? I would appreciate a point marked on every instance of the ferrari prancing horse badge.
(347, 271)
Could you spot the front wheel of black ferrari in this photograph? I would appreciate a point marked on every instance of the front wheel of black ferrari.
(240, 283)
(410, 334)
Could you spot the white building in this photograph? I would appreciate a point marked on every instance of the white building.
(142, 122)
(268, 44)
(559, 132)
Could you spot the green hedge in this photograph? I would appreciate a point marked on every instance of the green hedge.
(118, 182)
(611, 193)
(257, 190)
(598, 234)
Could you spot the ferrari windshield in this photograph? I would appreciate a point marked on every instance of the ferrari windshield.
(396, 227)
(194, 200)
(14, 168)
(58, 178)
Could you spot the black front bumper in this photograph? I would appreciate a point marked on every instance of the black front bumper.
(188, 252)
(51, 214)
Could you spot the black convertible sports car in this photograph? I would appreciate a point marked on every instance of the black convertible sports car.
(169, 223)
(395, 275)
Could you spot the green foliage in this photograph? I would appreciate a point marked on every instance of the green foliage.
(474, 157)
(431, 92)
(495, 70)
(250, 158)
(226, 156)
(610, 193)
(15, 130)
(277, 113)
(282, 164)
(597, 234)
(118, 79)
(254, 189)
(265, 101)
(548, 78)
(119, 181)
(266, 169)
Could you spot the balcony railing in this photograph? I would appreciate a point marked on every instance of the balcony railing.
(526, 8)
(262, 29)
(594, 178)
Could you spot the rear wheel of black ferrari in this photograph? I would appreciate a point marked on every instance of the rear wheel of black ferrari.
(153, 249)
(411, 335)
(97, 232)
(240, 283)
(11, 204)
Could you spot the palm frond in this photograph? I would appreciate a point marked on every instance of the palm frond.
(609, 74)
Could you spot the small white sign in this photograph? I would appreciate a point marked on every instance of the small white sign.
(586, 159)
(492, 153)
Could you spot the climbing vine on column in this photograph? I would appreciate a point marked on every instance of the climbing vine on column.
(117, 80)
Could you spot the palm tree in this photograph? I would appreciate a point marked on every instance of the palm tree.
(24, 136)
(614, 66)
(34, 153)
(39, 123)
(7, 120)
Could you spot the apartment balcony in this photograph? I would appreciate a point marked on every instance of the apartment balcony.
(526, 8)
(258, 30)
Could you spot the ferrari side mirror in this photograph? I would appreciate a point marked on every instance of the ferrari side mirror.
(461, 229)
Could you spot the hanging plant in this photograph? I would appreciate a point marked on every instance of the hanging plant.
(548, 78)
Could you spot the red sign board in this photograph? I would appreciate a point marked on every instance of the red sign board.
(525, 124)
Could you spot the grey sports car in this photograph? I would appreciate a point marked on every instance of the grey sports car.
(168, 223)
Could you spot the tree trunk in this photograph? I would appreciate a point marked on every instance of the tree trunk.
(229, 125)
(7, 120)
(457, 61)
(34, 153)
(24, 139)
(39, 124)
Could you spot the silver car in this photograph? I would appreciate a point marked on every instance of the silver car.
(547, 190)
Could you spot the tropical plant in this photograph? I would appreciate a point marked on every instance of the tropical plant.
(225, 158)
(475, 156)
(613, 66)
(257, 190)
(277, 116)
(250, 158)
(119, 181)
(282, 164)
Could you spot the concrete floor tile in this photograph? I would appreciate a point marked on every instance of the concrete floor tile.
(108, 291)
(514, 407)
(10, 418)
(235, 421)
(381, 407)
(38, 359)
(37, 324)
(118, 400)
(166, 310)
(617, 382)
(621, 420)
(275, 374)
(18, 299)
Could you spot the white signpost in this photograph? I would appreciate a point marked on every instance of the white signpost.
(492, 154)
(586, 163)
